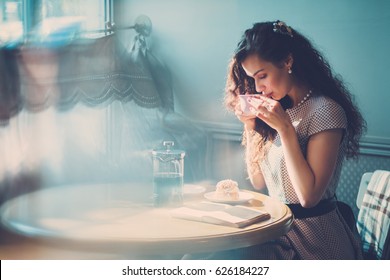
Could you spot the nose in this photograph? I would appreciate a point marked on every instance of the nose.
(259, 87)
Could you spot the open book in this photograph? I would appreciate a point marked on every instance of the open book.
(221, 214)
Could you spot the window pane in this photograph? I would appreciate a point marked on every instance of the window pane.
(11, 27)
(49, 20)
(90, 12)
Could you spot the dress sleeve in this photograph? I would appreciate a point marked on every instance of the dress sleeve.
(329, 116)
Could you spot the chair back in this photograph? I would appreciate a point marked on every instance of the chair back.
(363, 187)
(373, 221)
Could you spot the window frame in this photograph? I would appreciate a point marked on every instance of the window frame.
(30, 16)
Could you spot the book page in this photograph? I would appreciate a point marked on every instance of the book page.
(216, 213)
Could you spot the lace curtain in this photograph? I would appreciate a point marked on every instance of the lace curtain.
(88, 112)
(91, 72)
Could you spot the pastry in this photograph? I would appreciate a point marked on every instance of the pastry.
(227, 189)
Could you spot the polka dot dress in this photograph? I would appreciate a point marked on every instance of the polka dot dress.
(323, 237)
(315, 115)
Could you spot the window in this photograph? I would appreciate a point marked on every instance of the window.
(11, 19)
(48, 20)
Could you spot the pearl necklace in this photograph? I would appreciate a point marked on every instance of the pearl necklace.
(305, 98)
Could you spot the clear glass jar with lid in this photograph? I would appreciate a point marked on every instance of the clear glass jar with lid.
(168, 171)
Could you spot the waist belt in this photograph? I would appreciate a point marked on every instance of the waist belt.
(323, 207)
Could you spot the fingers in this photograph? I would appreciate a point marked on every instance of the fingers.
(263, 112)
(268, 101)
(262, 106)
(244, 117)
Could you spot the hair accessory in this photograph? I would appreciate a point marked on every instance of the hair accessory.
(282, 28)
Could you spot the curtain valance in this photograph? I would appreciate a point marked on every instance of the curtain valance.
(92, 72)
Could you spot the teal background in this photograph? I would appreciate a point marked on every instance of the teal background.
(195, 38)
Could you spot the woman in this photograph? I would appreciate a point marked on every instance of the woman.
(303, 124)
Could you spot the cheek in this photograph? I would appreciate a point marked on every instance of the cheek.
(281, 82)
(275, 83)
(281, 77)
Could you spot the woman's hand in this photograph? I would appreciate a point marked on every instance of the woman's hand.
(272, 113)
(248, 120)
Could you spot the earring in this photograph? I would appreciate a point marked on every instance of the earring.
(289, 71)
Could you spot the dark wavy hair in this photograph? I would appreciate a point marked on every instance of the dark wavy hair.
(309, 68)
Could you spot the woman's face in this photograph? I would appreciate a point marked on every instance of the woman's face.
(273, 81)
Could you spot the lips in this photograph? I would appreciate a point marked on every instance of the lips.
(269, 95)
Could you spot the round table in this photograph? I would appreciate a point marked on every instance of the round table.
(120, 219)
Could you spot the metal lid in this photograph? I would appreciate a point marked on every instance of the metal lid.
(168, 154)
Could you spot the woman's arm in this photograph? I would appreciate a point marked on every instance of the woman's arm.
(251, 148)
(252, 163)
(310, 176)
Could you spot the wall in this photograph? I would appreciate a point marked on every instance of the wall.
(196, 38)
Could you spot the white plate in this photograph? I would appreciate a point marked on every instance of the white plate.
(189, 189)
(242, 198)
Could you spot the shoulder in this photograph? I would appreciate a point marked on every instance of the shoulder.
(325, 113)
(327, 107)
(323, 102)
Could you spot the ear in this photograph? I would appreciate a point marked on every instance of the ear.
(288, 63)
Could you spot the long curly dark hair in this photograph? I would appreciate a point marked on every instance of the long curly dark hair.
(310, 68)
